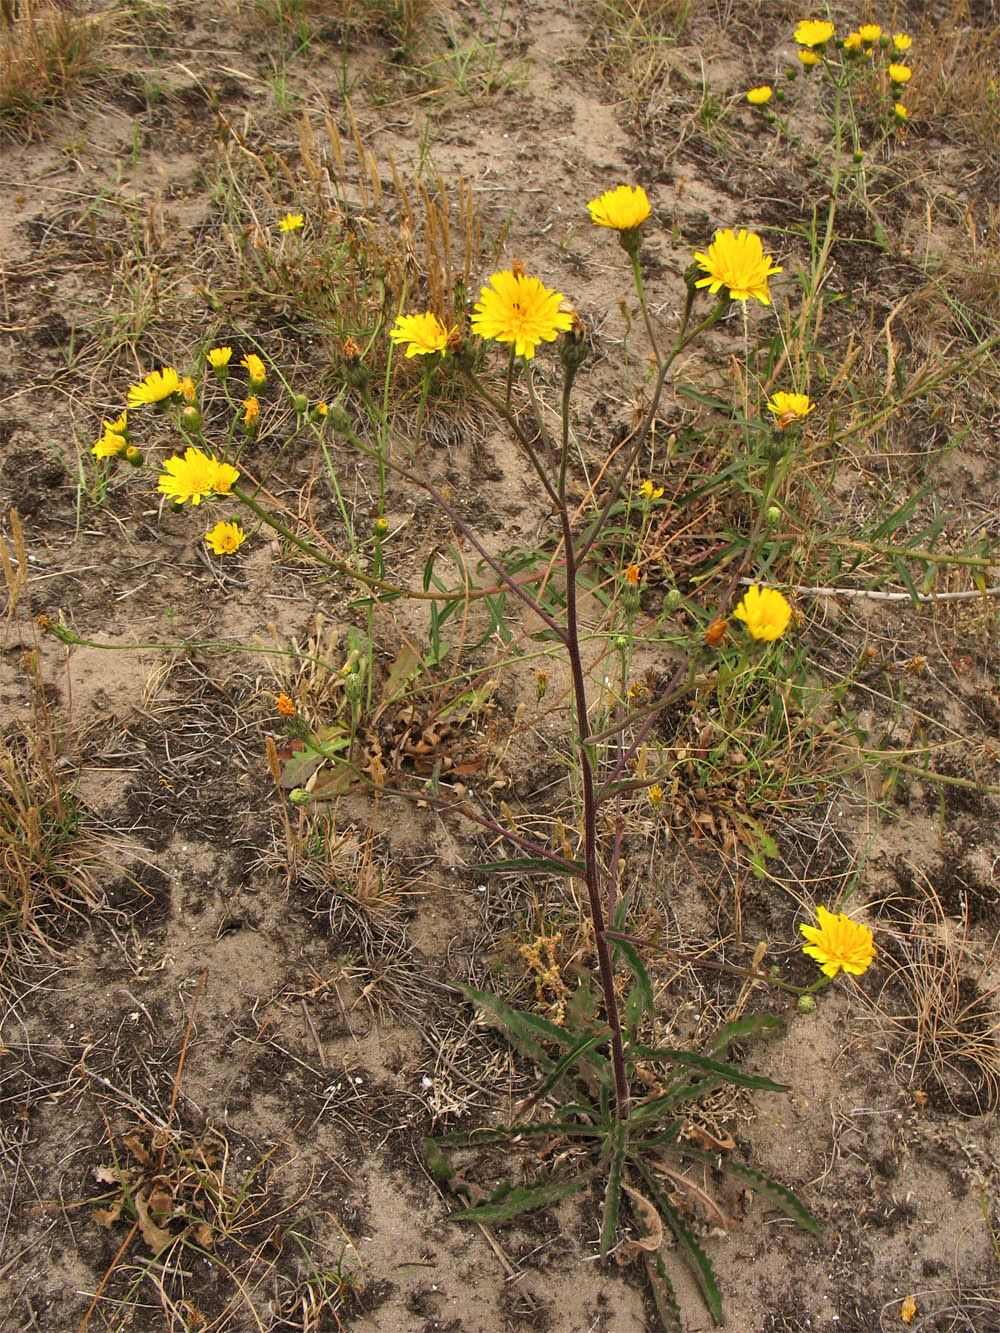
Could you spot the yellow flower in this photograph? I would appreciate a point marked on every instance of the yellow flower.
(624, 208)
(632, 575)
(187, 388)
(291, 222)
(648, 492)
(839, 943)
(789, 405)
(738, 263)
(219, 357)
(193, 477)
(225, 538)
(284, 705)
(808, 58)
(900, 73)
(758, 96)
(764, 611)
(902, 42)
(109, 445)
(869, 33)
(520, 310)
(117, 427)
(254, 367)
(852, 42)
(252, 414)
(900, 110)
(423, 334)
(655, 795)
(157, 385)
(813, 32)
(226, 477)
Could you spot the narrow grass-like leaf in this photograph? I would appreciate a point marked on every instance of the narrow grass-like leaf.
(528, 1029)
(643, 984)
(613, 1190)
(524, 1200)
(741, 1029)
(534, 863)
(572, 1056)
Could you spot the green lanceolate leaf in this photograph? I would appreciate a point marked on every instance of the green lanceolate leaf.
(613, 1191)
(523, 1200)
(527, 1030)
(662, 1291)
(741, 1029)
(642, 983)
(441, 1169)
(694, 1255)
(728, 1073)
(778, 1194)
(535, 863)
(567, 1124)
(577, 1051)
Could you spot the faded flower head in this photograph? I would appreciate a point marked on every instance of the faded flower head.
(765, 612)
(632, 575)
(789, 408)
(624, 208)
(284, 705)
(838, 943)
(852, 42)
(813, 32)
(423, 334)
(738, 263)
(158, 385)
(291, 222)
(655, 795)
(760, 95)
(225, 538)
(519, 310)
(251, 414)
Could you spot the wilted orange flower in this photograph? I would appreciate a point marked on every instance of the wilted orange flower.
(284, 705)
(632, 575)
(716, 632)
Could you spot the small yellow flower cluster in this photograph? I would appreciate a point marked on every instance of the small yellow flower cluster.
(812, 36)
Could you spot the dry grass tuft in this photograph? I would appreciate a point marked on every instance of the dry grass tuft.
(45, 52)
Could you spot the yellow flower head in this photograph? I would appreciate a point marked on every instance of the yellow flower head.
(759, 96)
(188, 392)
(838, 943)
(252, 414)
(226, 477)
(632, 575)
(813, 32)
(623, 209)
(192, 477)
(869, 33)
(254, 367)
(739, 264)
(109, 445)
(765, 612)
(655, 795)
(808, 58)
(520, 310)
(291, 222)
(902, 41)
(225, 538)
(219, 357)
(117, 427)
(900, 73)
(900, 110)
(852, 42)
(423, 334)
(284, 705)
(789, 405)
(157, 385)
(648, 492)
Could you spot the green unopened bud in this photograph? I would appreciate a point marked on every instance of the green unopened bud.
(805, 1004)
(573, 343)
(133, 455)
(692, 275)
(299, 796)
(671, 601)
(858, 155)
(339, 420)
(773, 516)
(191, 419)
(381, 527)
(300, 403)
(621, 642)
(630, 599)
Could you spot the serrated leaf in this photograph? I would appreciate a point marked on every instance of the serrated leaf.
(779, 1195)
(741, 1029)
(440, 1167)
(527, 1029)
(534, 863)
(523, 1200)
(642, 982)
(580, 1048)
(662, 1291)
(695, 1257)
(727, 1073)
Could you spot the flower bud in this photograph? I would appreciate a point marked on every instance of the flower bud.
(190, 419)
(133, 455)
(339, 420)
(773, 516)
(805, 1004)
(299, 796)
(300, 403)
(671, 601)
